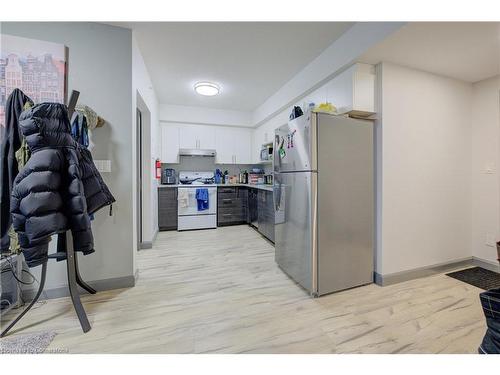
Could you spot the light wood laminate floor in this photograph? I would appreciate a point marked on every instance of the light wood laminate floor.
(220, 291)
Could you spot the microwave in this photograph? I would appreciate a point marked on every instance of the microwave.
(266, 153)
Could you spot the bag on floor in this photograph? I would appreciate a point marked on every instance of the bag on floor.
(490, 301)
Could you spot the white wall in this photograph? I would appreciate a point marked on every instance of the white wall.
(333, 91)
(339, 55)
(425, 158)
(204, 116)
(100, 68)
(425, 170)
(144, 98)
(485, 156)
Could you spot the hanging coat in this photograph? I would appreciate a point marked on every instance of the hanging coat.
(11, 142)
(58, 187)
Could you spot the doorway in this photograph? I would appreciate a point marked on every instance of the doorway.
(144, 181)
(139, 177)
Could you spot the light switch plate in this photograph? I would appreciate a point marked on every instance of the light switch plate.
(103, 166)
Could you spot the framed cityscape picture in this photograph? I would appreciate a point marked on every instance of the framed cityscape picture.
(37, 67)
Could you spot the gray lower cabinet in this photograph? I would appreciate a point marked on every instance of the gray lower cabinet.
(253, 213)
(265, 214)
(232, 205)
(167, 208)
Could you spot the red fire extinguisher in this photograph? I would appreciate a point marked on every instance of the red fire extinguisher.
(158, 168)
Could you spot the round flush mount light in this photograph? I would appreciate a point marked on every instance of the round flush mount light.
(207, 88)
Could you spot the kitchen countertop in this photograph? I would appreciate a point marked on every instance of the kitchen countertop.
(260, 187)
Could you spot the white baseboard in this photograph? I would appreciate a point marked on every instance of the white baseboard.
(486, 264)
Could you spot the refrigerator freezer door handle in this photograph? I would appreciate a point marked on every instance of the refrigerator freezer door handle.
(276, 153)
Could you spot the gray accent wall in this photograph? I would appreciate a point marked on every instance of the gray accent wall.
(100, 67)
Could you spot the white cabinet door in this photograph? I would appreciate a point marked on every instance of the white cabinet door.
(224, 145)
(197, 136)
(242, 145)
(206, 137)
(233, 145)
(353, 91)
(188, 136)
(169, 144)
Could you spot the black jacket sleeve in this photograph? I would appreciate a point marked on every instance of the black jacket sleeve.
(11, 141)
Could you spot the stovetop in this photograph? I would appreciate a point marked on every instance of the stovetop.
(190, 178)
(198, 183)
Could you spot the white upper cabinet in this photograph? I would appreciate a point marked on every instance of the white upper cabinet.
(233, 145)
(206, 137)
(353, 91)
(224, 145)
(188, 136)
(243, 146)
(169, 144)
(197, 136)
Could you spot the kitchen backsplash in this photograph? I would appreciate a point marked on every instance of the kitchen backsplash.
(198, 163)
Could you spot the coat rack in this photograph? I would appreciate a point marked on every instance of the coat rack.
(74, 278)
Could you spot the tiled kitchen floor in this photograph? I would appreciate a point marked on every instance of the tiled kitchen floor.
(220, 291)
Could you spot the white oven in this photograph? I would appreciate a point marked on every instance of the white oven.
(189, 215)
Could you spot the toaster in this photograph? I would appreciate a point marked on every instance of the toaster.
(168, 177)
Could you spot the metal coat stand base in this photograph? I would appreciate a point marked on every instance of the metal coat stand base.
(74, 280)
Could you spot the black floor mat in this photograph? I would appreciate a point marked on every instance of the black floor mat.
(477, 276)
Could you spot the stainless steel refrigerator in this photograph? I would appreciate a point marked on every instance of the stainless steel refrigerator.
(324, 201)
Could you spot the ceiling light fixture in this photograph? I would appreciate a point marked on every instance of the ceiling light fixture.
(206, 88)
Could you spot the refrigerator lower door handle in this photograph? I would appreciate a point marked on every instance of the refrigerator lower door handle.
(277, 196)
(314, 234)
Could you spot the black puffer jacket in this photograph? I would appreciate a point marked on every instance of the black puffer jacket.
(58, 188)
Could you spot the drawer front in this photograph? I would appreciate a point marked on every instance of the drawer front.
(233, 192)
(232, 215)
(231, 202)
(227, 192)
(226, 219)
(226, 189)
(239, 211)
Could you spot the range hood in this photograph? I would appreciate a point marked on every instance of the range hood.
(197, 152)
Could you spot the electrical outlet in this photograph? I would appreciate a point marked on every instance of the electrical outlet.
(489, 168)
(490, 240)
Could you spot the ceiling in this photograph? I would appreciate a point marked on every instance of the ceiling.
(250, 61)
(469, 51)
